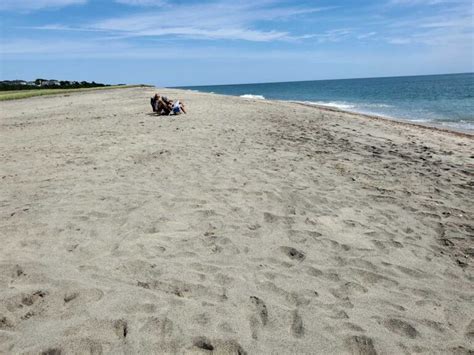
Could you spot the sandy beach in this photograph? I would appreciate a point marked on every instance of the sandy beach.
(243, 227)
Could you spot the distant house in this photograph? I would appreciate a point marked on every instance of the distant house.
(50, 83)
(44, 83)
(13, 83)
(16, 82)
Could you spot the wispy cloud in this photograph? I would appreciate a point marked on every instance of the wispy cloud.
(83, 49)
(142, 2)
(450, 26)
(222, 20)
(366, 35)
(153, 29)
(334, 35)
(423, 2)
(31, 5)
(60, 28)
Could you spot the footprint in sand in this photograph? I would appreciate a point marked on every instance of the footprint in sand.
(293, 253)
(401, 327)
(219, 347)
(297, 327)
(5, 323)
(360, 345)
(87, 295)
(52, 352)
(121, 328)
(18, 271)
(260, 318)
(69, 296)
(161, 327)
(203, 343)
(312, 271)
(273, 218)
(261, 309)
(34, 297)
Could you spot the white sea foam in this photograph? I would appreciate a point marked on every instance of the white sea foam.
(254, 97)
(335, 104)
(345, 105)
(377, 105)
(419, 119)
(462, 125)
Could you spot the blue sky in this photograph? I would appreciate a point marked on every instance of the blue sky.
(190, 42)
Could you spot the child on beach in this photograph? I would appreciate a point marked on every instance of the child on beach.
(178, 107)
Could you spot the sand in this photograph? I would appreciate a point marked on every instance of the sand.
(244, 227)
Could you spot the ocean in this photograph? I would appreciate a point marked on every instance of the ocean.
(442, 100)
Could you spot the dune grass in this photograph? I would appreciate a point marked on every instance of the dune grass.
(23, 94)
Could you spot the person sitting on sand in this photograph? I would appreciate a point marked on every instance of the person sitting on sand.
(178, 107)
(153, 102)
(161, 105)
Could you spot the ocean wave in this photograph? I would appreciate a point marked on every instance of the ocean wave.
(377, 105)
(254, 97)
(335, 104)
(464, 126)
(346, 105)
(418, 119)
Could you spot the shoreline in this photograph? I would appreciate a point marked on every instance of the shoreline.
(451, 130)
(428, 125)
(456, 131)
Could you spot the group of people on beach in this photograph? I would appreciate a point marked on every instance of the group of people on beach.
(163, 106)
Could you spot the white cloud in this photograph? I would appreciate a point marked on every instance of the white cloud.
(447, 25)
(221, 33)
(397, 40)
(41, 49)
(30, 5)
(366, 35)
(142, 2)
(422, 2)
(216, 20)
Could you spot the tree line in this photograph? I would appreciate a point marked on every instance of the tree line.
(46, 84)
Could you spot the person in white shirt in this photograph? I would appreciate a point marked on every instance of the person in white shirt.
(178, 107)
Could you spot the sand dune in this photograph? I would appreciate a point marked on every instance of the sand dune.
(244, 227)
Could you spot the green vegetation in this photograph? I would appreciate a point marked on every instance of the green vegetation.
(7, 85)
(23, 94)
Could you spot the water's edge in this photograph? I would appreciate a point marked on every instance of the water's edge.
(445, 100)
(424, 125)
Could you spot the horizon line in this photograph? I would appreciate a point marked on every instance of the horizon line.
(302, 81)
